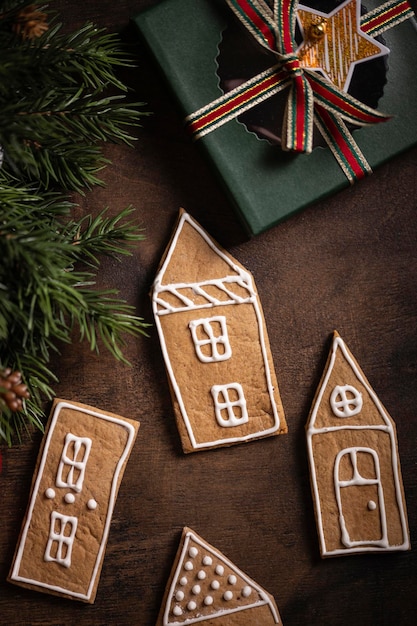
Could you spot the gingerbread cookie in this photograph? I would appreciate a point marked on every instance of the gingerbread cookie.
(215, 344)
(354, 463)
(206, 588)
(79, 469)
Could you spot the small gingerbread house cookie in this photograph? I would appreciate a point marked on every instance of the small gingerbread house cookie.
(354, 463)
(206, 588)
(215, 344)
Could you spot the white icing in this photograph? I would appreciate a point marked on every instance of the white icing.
(212, 339)
(73, 466)
(312, 431)
(179, 595)
(261, 598)
(113, 491)
(50, 493)
(219, 569)
(245, 281)
(188, 566)
(92, 504)
(228, 595)
(346, 401)
(371, 505)
(196, 590)
(223, 404)
(193, 552)
(357, 479)
(183, 581)
(60, 540)
(177, 611)
(232, 579)
(69, 498)
(201, 575)
(191, 606)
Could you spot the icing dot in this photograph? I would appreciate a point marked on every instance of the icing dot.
(214, 584)
(232, 579)
(188, 566)
(246, 591)
(193, 552)
(50, 493)
(201, 575)
(92, 504)
(207, 560)
(179, 595)
(177, 611)
(219, 570)
(191, 605)
(69, 498)
(196, 590)
(183, 581)
(371, 505)
(208, 600)
(228, 595)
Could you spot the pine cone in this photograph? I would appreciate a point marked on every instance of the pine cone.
(30, 23)
(12, 390)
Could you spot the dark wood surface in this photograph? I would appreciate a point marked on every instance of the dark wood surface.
(349, 263)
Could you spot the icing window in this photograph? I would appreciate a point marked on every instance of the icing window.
(346, 401)
(229, 405)
(61, 539)
(73, 461)
(210, 338)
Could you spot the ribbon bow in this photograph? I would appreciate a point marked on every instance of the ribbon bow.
(311, 98)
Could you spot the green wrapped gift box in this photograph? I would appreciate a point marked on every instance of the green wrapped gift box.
(264, 183)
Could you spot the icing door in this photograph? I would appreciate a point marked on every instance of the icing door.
(360, 497)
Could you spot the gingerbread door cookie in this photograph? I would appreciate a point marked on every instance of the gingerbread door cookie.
(205, 587)
(64, 534)
(215, 344)
(354, 463)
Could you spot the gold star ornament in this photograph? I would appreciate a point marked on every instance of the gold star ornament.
(334, 43)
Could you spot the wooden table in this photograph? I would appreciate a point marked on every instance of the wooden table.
(349, 263)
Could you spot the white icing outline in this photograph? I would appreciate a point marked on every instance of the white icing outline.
(228, 405)
(244, 279)
(345, 402)
(73, 464)
(218, 555)
(212, 340)
(357, 479)
(61, 539)
(311, 430)
(384, 51)
(131, 435)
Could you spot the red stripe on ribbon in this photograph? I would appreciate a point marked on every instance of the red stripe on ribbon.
(240, 99)
(260, 24)
(339, 102)
(339, 139)
(380, 20)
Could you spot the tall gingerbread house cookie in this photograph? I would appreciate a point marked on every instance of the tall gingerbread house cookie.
(80, 466)
(215, 344)
(206, 588)
(354, 463)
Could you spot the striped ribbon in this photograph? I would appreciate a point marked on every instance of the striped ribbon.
(311, 98)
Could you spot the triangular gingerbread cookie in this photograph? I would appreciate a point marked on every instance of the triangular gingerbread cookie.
(206, 588)
(215, 344)
(354, 463)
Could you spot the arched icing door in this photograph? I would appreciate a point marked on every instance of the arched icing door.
(360, 498)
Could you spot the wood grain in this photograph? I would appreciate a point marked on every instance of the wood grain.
(348, 263)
